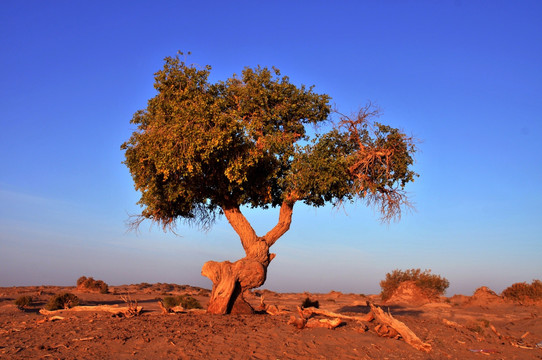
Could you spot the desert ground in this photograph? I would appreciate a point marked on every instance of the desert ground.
(458, 327)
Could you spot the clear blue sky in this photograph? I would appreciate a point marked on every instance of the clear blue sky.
(465, 77)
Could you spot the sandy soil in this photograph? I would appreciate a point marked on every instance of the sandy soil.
(152, 335)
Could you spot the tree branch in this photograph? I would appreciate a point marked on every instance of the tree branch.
(283, 225)
(241, 226)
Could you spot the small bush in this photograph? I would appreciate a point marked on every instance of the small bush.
(309, 303)
(23, 301)
(89, 284)
(432, 285)
(62, 301)
(186, 301)
(523, 291)
(475, 328)
(81, 281)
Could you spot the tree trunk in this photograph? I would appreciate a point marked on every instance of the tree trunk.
(231, 280)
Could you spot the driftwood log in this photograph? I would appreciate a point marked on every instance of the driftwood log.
(406, 334)
(387, 325)
(305, 321)
(114, 309)
(307, 312)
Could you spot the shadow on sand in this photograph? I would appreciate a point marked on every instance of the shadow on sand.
(393, 309)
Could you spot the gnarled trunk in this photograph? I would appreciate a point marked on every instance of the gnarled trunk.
(231, 280)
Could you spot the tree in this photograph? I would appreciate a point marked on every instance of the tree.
(205, 149)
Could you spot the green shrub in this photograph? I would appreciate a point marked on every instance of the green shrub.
(186, 301)
(23, 301)
(62, 301)
(89, 284)
(432, 285)
(309, 303)
(523, 291)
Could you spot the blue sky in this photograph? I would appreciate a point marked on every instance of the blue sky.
(462, 76)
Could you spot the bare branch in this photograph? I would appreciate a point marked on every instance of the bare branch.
(241, 226)
(283, 225)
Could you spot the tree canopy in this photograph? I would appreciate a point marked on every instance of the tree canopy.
(201, 147)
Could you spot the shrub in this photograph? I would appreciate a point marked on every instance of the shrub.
(89, 284)
(523, 291)
(62, 301)
(309, 303)
(23, 301)
(186, 301)
(81, 281)
(431, 284)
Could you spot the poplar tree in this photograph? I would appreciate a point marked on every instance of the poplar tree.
(202, 150)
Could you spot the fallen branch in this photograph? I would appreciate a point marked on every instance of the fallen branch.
(171, 310)
(452, 324)
(114, 309)
(495, 331)
(270, 309)
(387, 325)
(326, 323)
(307, 312)
(305, 322)
(387, 331)
(84, 339)
(403, 330)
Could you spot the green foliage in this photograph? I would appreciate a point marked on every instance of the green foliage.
(431, 284)
(90, 284)
(23, 301)
(523, 291)
(200, 147)
(186, 301)
(62, 301)
(309, 303)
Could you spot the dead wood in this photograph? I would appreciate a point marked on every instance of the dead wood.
(452, 324)
(298, 323)
(387, 325)
(305, 322)
(132, 309)
(114, 309)
(495, 331)
(85, 339)
(387, 331)
(162, 307)
(326, 323)
(270, 309)
(408, 336)
(307, 313)
(174, 309)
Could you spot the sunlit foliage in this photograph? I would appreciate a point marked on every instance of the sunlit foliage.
(200, 147)
(431, 284)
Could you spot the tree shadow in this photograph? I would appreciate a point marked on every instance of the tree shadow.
(116, 302)
(393, 309)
